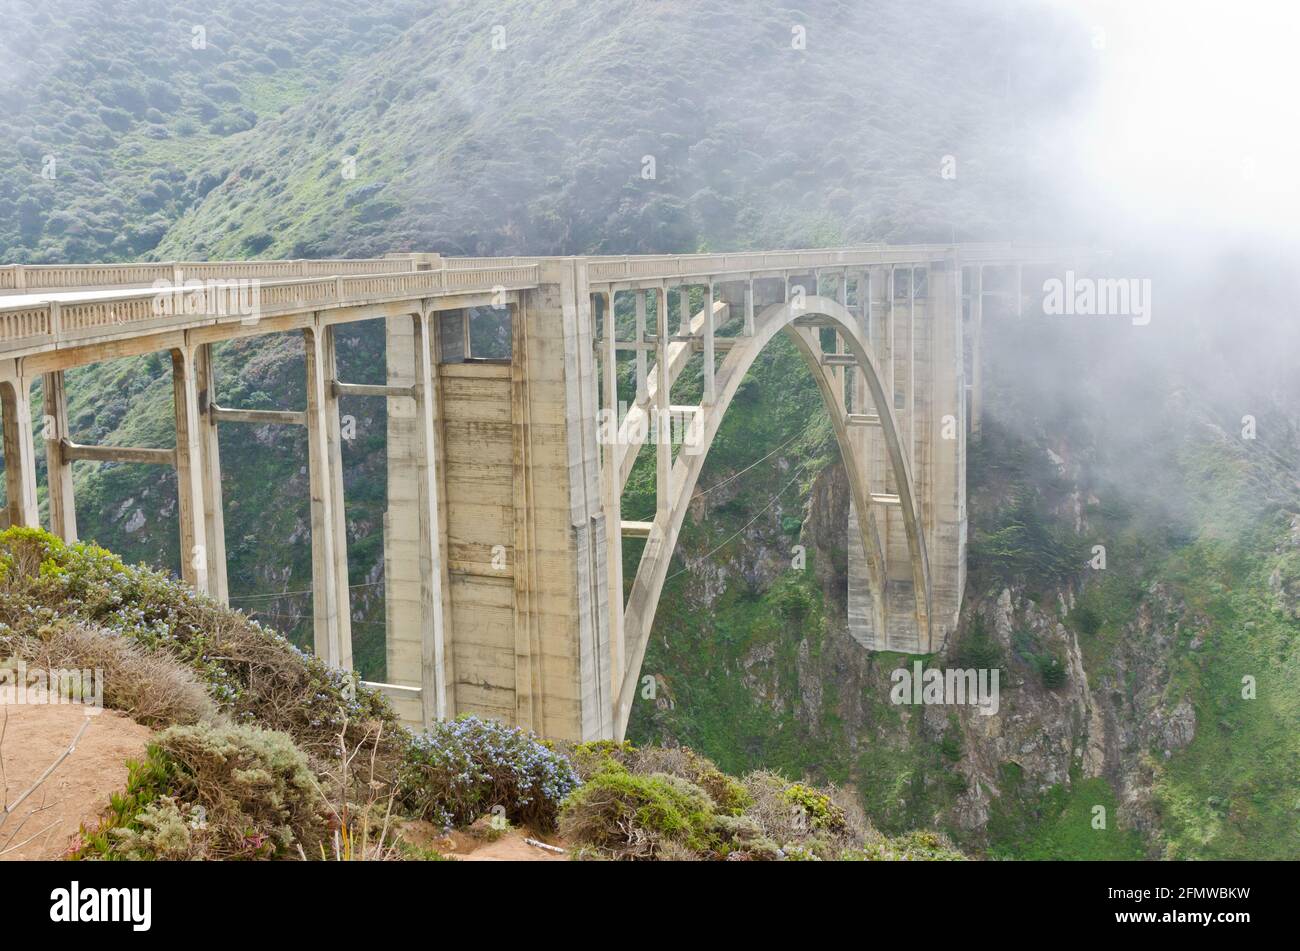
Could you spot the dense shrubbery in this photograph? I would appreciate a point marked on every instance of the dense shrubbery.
(460, 769)
(151, 688)
(977, 650)
(89, 205)
(202, 792)
(1053, 671)
(1027, 543)
(672, 803)
(625, 815)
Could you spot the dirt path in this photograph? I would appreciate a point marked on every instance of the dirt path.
(464, 846)
(35, 735)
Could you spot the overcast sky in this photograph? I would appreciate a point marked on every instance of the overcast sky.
(1193, 122)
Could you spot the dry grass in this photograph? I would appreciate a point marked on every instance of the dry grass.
(153, 689)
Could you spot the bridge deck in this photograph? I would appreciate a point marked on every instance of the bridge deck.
(52, 307)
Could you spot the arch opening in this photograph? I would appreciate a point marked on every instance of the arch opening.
(803, 320)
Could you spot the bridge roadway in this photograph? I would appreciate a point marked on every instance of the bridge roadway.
(504, 533)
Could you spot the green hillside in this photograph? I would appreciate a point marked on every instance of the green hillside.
(108, 110)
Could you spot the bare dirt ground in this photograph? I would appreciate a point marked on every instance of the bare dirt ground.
(467, 846)
(34, 737)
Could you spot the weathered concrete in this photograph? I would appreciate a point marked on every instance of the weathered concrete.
(504, 532)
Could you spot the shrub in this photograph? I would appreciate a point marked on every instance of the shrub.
(917, 846)
(1086, 619)
(205, 792)
(628, 816)
(153, 689)
(728, 795)
(950, 747)
(1053, 672)
(977, 649)
(817, 807)
(801, 820)
(598, 756)
(742, 839)
(793, 603)
(1027, 544)
(460, 769)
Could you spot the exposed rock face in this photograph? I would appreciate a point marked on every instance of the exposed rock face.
(1118, 725)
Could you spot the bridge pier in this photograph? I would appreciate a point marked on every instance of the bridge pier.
(497, 580)
(331, 614)
(918, 339)
(189, 473)
(62, 496)
(19, 450)
(209, 465)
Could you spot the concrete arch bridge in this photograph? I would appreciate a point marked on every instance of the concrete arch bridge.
(510, 442)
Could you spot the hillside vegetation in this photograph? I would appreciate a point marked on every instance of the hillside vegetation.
(265, 753)
(107, 110)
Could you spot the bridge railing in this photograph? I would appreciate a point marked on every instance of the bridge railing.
(28, 278)
(609, 269)
(55, 322)
(461, 263)
(650, 267)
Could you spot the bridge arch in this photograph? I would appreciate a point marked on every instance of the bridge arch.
(801, 320)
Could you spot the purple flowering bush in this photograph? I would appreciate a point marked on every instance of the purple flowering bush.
(460, 769)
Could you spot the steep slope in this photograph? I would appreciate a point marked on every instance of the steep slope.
(107, 108)
(526, 127)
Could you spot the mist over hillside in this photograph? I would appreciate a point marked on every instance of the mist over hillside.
(613, 126)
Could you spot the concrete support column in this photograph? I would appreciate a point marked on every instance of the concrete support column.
(642, 390)
(612, 500)
(946, 495)
(214, 522)
(840, 374)
(749, 308)
(911, 364)
(710, 370)
(189, 475)
(869, 622)
(334, 441)
(434, 666)
(328, 561)
(63, 505)
(662, 422)
(20, 452)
